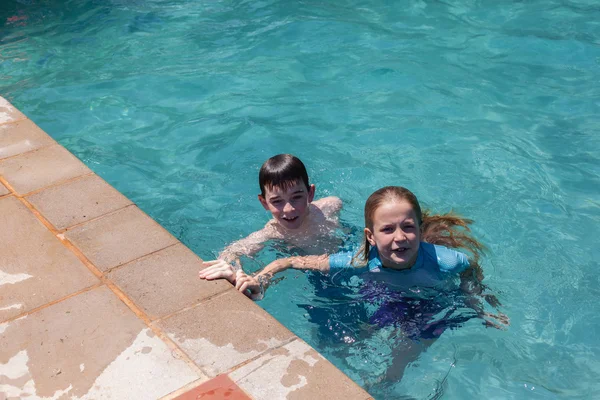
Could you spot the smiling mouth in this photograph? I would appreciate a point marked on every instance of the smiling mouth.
(401, 250)
(289, 219)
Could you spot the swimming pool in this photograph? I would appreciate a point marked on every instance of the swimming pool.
(488, 109)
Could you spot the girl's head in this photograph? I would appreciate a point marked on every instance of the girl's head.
(395, 224)
(393, 221)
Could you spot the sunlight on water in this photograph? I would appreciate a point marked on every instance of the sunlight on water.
(488, 108)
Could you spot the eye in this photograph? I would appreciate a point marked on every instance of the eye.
(275, 202)
(387, 229)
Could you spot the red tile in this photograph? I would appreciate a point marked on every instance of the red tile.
(219, 388)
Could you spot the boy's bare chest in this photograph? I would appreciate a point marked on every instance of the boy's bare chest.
(317, 237)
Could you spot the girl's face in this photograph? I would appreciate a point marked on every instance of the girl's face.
(396, 234)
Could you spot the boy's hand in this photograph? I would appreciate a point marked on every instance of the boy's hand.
(248, 285)
(217, 269)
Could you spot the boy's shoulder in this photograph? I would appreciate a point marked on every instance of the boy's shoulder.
(329, 205)
(272, 230)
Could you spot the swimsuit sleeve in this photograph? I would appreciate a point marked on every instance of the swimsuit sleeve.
(340, 260)
(451, 261)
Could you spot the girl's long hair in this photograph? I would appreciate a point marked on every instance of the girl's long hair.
(448, 230)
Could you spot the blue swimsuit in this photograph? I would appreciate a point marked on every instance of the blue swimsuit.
(393, 294)
(434, 265)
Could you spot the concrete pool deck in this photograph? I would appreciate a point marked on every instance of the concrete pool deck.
(97, 300)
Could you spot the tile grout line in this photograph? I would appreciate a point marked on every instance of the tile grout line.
(51, 303)
(116, 267)
(34, 150)
(184, 309)
(53, 185)
(7, 185)
(179, 353)
(58, 183)
(65, 230)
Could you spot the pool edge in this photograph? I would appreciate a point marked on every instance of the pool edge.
(117, 252)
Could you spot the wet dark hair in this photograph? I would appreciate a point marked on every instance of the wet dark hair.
(448, 230)
(282, 170)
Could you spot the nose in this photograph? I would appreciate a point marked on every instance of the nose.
(399, 235)
(288, 207)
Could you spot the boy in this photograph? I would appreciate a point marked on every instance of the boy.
(297, 220)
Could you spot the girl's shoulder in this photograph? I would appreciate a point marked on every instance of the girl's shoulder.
(446, 259)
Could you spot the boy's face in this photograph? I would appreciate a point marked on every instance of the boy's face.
(289, 205)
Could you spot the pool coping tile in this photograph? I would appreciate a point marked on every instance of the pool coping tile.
(9, 113)
(119, 237)
(21, 137)
(166, 281)
(41, 168)
(225, 331)
(89, 197)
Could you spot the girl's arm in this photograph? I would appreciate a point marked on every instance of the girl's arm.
(305, 263)
(472, 285)
(255, 286)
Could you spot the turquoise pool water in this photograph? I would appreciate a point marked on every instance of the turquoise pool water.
(488, 108)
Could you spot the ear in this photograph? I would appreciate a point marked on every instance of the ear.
(370, 237)
(263, 201)
(311, 193)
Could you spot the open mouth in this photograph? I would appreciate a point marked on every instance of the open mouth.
(400, 250)
(289, 219)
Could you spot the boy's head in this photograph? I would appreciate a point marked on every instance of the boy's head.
(285, 190)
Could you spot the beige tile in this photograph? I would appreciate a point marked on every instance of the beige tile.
(89, 345)
(119, 237)
(35, 267)
(3, 190)
(41, 168)
(77, 201)
(8, 113)
(166, 281)
(225, 331)
(20, 137)
(295, 372)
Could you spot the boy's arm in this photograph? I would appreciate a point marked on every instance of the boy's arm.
(330, 205)
(247, 246)
(223, 266)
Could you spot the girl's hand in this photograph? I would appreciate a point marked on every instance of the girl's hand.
(498, 321)
(217, 269)
(248, 285)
